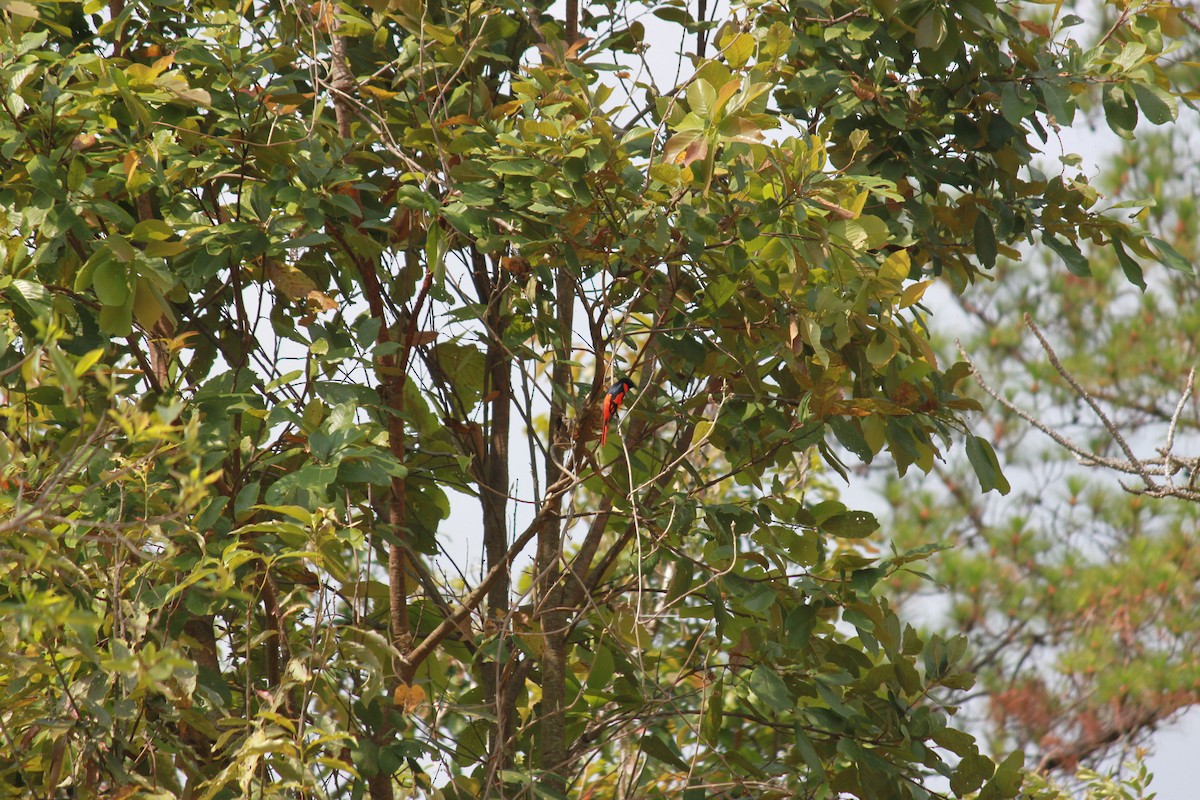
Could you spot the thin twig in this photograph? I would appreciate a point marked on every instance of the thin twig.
(1146, 469)
(1091, 401)
(1183, 398)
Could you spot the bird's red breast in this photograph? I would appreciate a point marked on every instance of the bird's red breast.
(612, 401)
(615, 396)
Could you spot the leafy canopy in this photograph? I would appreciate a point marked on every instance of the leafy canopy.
(278, 277)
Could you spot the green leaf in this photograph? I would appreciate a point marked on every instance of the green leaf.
(111, 282)
(601, 672)
(710, 725)
(851, 525)
(1077, 263)
(1131, 268)
(864, 580)
(1159, 106)
(807, 751)
(151, 230)
(1119, 109)
(1060, 103)
(30, 296)
(701, 96)
(435, 253)
(678, 16)
(931, 30)
(850, 436)
(363, 470)
(877, 230)
(1132, 54)
(960, 743)
(160, 249)
(985, 240)
(246, 500)
(524, 166)
(770, 689)
(865, 233)
(1016, 103)
(117, 320)
(463, 367)
(986, 465)
(311, 480)
(1168, 256)
(970, 774)
(663, 750)
(1008, 778)
(884, 345)
(720, 291)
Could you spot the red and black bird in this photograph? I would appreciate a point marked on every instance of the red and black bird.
(612, 402)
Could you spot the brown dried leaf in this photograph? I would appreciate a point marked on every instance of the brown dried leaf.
(410, 698)
(695, 151)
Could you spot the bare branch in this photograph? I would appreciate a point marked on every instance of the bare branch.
(1146, 469)
(1183, 398)
(1086, 396)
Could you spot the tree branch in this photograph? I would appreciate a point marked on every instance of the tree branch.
(1147, 469)
(414, 658)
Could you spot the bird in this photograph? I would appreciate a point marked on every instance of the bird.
(612, 402)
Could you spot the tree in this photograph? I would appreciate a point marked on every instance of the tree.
(280, 278)
(1078, 594)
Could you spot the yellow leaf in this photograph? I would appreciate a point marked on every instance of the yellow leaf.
(131, 161)
(505, 109)
(295, 285)
(375, 91)
(738, 51)
(88, 361)
(160, 249)
(458, 119)
(665, 173)
(147, 307)
(913, 293)
(860, 202)
(20, 8)
(181, 342)
(896, 266)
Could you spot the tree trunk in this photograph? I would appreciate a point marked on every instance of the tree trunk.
(493, 496)
(551, 613)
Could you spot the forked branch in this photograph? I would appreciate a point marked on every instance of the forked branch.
(1157, 473)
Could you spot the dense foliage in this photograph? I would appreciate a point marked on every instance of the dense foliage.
(281, 280)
